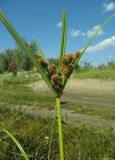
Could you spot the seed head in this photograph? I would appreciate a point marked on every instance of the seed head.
(66, 70)
(67, 59)
(77, 55)
(38, 56)
(43, 63)
(52, 69)
(57, 80)
(52, 66)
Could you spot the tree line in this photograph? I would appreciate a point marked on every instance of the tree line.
(16, 60)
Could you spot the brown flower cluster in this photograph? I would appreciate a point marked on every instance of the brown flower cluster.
(56, 79)
(55, 76)
(68, 62)
(43, 63)
(51, 71)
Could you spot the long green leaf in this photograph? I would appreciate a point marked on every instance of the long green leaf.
(39, 48)
(17, 144)
(65, 18)
(93, 37)
(63, 39)
(20, 42)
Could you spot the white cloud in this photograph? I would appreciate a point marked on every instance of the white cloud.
(74, 33)
(108, 6)
(89, 33)
(59, 24)
(92, 31)
(110, 42)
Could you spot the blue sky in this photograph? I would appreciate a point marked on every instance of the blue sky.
(41, 19)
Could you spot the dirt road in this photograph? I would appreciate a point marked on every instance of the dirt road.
(89, 91)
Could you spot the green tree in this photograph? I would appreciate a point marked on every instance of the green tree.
(3, 63)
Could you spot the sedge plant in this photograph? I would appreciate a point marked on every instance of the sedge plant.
(56, 79)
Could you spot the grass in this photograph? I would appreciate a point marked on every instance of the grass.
(81, 141)
(17, 144)
(20, 94)
(105, 74)
(22, 77)
(88, 109)
(14, 90)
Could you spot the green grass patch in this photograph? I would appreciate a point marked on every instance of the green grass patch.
(106, 73)
(80, 142)
(21, 78)
(88, 109)
(22, 95)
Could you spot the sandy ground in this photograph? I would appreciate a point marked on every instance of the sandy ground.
(89, 91)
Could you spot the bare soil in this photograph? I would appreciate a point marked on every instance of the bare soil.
(89, 91)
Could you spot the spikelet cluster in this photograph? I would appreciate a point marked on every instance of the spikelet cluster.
(41, 61)
(56, 79)
(54, 76)
(68, 62)
(51, 71)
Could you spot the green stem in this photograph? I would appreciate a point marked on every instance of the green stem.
(60, 129)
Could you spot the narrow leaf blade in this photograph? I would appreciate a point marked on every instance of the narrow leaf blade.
(39, 48)
(63, 39)
(17, 144)
(93, 37)
(88, 44)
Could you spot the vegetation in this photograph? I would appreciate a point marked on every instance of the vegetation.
(19, 94)
(106, 72)
(80, 140)
(85, 69)
(17, 56)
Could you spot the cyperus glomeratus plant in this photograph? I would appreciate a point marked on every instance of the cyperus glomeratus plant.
(56, 79)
